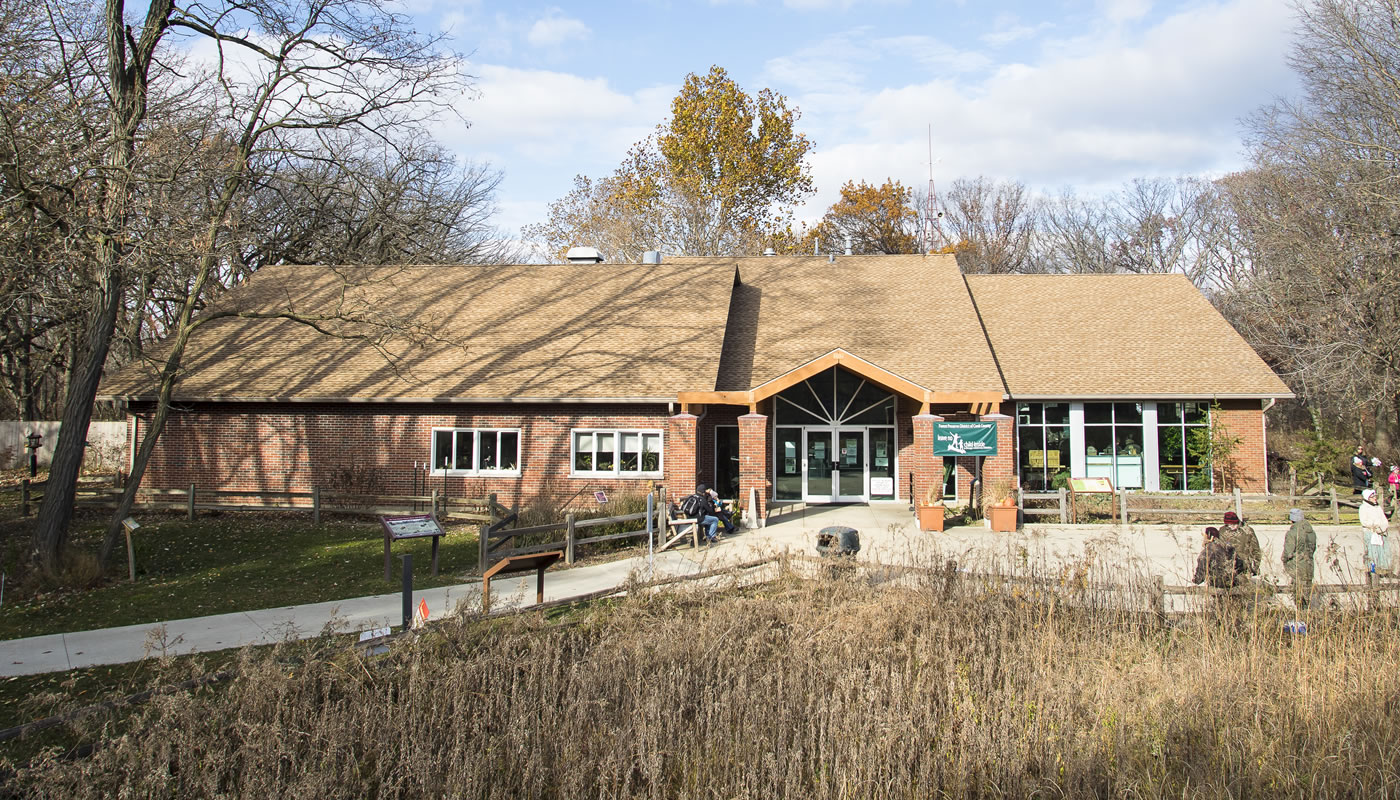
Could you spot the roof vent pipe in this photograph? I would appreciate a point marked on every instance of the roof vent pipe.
(651, 257)
(768, 251)
(584, 255)
(831, 258)
(848, 245)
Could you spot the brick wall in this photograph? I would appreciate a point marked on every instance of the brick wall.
(1245, 419)
(297, 446)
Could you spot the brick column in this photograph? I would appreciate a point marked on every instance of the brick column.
(753, 463)
(928, 468)
(680, 455)
(1002, 466)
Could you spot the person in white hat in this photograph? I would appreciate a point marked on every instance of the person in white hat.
(1373, 530)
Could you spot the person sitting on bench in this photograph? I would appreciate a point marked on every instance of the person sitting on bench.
(697, 506)
(716, 508)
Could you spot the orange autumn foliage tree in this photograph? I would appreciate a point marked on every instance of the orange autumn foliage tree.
(718, 178)
(877, 219)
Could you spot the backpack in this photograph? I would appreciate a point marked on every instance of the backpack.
(693, 506)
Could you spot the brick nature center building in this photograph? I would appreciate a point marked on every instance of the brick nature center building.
(812, 378)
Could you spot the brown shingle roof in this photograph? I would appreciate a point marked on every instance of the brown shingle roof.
(636, 331)
(513, 331)
(909, 315)
(1115, 335)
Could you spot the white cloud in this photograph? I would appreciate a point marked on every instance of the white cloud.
(1091, 112)
(543, 127)
(554, 29)
(1006, 29)
(1119, 11)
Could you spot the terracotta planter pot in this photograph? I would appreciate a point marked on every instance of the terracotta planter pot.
(931, 517)
(1003, 518)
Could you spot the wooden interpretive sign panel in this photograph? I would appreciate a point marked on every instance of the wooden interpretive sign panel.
(1091, 485)
(536, 562)
(1078, 486)
(410, 526)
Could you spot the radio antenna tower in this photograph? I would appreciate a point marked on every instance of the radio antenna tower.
(931, 227)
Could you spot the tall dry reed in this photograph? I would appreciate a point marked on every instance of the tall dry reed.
(851, 685)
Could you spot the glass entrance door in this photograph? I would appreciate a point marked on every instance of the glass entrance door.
(820, 465)
(850, 466)
(836, 465)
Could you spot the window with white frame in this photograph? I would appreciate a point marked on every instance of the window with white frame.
(476, 451)
(616, 452)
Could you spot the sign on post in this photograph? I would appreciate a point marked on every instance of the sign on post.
(410, 526)
(1078, 486)
(964, 438)
(130, 525)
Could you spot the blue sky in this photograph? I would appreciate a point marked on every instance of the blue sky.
(1085, 94)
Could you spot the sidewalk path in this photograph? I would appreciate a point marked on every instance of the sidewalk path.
(887, 532)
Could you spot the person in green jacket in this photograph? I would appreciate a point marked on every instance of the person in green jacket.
(1298, 548)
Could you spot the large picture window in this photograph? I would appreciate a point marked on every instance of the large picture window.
(1113, 443)
(1043, 435)
(1181, 429)
(476, 451)
(616, 452)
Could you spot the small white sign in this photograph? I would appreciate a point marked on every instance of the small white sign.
(882, 485)
(601, 497)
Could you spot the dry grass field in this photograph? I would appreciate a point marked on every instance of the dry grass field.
(834, 686)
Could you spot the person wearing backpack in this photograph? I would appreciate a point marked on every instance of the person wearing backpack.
(697, 507)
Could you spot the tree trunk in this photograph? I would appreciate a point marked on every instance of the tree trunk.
(128, 70)
(56, 511)
(1385, 426)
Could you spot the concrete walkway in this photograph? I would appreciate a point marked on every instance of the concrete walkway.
(887, 531)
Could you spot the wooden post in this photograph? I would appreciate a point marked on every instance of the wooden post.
(1336, 515)
(1123, 505)
(484, 533)
(539, 586)
(660, 530)
(569, 534)
(1159, 597)
(316, 505)
(1064, 507)
(387, 575)
(117, 479)
(435, 552)
(1239, 504)
(1292, 483)
(491, 508)
(130, 555)
(191, 504)
(24, 496)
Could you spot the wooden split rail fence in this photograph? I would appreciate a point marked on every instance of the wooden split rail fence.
(495, 535)
(194, 499)
(1324, 506)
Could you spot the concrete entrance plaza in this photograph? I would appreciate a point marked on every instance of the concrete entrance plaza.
(887, 533)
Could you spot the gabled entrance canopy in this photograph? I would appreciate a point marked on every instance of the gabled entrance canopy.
(979, 402)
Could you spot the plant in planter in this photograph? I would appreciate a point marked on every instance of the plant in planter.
(931, 510)
(1002, 512)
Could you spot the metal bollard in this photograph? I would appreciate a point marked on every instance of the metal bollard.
(407, 590)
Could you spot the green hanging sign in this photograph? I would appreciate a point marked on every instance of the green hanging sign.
(964, 438)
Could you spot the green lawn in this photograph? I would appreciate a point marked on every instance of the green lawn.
(225, 562)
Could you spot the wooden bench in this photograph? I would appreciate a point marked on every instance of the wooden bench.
(678, 529)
